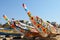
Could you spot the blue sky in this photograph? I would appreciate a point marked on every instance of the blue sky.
(46, 9)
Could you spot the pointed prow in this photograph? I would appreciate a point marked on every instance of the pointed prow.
(5, 17)
(26, 9)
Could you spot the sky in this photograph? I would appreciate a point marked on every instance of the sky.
(45, 9)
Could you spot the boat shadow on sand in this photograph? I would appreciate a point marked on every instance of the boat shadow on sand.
(38, 38)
